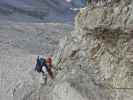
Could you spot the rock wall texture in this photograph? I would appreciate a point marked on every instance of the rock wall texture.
(94, 62)
(107, 34)
(98, 56)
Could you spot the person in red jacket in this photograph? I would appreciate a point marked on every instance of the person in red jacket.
(50, 66)
(49, 61)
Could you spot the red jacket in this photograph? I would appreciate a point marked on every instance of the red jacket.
(49, 60)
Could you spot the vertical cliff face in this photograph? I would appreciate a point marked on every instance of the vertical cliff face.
(94, 62)
(107, 33)
(99, 54)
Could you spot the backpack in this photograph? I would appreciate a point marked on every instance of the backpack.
(40, 62)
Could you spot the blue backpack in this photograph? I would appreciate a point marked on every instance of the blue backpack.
(40, 62)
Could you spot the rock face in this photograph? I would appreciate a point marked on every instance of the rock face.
(107, 34)
(95, 61)
(99, 56)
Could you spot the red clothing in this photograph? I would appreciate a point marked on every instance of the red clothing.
(49, 60)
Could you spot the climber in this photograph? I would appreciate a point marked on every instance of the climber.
(50, 66)
(49, 61)
(44, 66)
(41, 67)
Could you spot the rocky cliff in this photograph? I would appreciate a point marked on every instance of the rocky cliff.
(106, 33)
(94, 62)
(98, 57)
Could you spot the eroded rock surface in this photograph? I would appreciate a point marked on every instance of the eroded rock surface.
(101, 47)
(95, 61)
